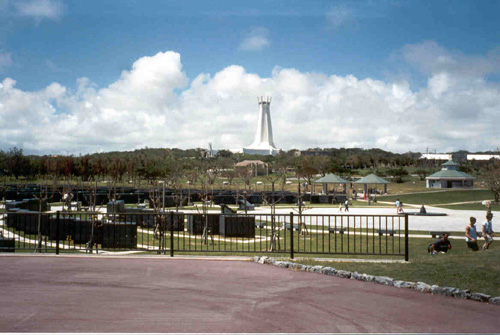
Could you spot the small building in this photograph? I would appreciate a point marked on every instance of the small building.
(450, 176)
(372, 179)
(331, 179)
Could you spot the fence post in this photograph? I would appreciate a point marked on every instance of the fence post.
(38, 234)
(57, 232)
(171, 234)
(406, 238)
(291, 235)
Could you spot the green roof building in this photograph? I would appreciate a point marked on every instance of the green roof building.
(450, 176)
(372, 179)
(331, 179)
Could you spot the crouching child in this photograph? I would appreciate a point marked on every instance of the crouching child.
(442, 245)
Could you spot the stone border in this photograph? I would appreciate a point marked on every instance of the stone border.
(418, 286)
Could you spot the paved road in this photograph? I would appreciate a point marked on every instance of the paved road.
(80, 294)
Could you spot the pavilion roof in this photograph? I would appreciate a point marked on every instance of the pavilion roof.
(372, 179)
(331, 179)
(450, 174)
(450, 163)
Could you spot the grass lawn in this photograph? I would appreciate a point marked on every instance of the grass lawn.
(473, 207)
(441, 197)
(477, 271)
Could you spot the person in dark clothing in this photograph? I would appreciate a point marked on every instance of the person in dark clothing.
(441, 245)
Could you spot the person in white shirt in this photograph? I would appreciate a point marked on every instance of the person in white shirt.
(488, 231)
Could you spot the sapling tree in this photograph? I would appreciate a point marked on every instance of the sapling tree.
(271, 200)
(91, 198)
(46, 192)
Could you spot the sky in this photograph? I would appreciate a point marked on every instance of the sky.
(80, 77)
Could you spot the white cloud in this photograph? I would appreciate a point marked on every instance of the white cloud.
(40, 9)
(143, 108)
(432, 58)
(339, 16)
(5, 60)
(255, 40)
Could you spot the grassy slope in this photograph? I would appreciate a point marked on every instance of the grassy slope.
(479, 271)
(473, 207)
(444, 197)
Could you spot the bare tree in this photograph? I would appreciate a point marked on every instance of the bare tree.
(271, 200)
(95, 224)
(230, 175)
(207, 174)
(46, 193)
(301, 208)
(491, 175)
(155, 201)
(245, 173)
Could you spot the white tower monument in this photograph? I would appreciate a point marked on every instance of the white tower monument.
(263, 143)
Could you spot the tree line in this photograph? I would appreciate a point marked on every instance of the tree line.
(174, 165)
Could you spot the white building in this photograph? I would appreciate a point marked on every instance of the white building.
(481, 157)
(449, 177)
(442, 157)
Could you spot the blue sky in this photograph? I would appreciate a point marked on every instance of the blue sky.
(412, 44)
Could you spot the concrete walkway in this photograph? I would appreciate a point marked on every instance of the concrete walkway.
(453, 221)
(90, 294)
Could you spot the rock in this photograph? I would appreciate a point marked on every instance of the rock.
(308, 268)
(480, 297)
(444, 290)
(263, 259)
(282, 264)
(462, 294)
(295, 266)
(343, 274)
(316, 268)
(495, 301)
(423, 287)
(404, 284)
(450, 291)
(256, 259)
(356, 275)
(367, 278)
(397, 283)
(328, 271)
(435, 289)
(383, 280)
(270, 261)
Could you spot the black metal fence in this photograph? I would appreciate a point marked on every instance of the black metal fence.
(171, 232)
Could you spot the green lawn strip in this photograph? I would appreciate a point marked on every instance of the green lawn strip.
(472, 207)
(461, 268)
(444, 197)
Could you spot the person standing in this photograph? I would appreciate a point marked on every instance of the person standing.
(471, 235)
(397, 206)
(346, 205)
(488, 231)
(400, 209)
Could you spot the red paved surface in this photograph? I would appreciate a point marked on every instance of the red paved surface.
(69, 294)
